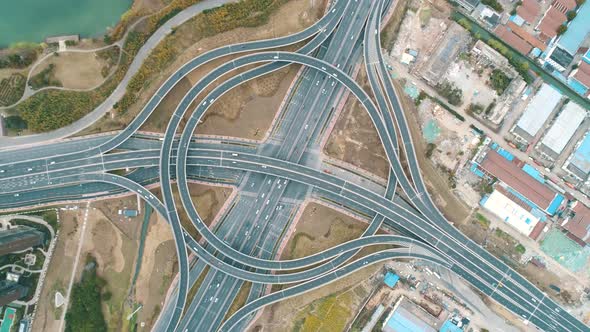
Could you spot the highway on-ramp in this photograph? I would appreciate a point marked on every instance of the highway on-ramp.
(88, 161)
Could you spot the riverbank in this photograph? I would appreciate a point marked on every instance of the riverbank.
(63, 106)
(23, 23)
(20, 77)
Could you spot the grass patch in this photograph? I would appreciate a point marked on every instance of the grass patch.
(296, 240)
(49, 110)
(327, 314)
(240, 299)
(195, 288)
(425, 15)
(50, 216)
(503, 235)
(120, 172)
(45, 77)
(11, 89)
(482, 220)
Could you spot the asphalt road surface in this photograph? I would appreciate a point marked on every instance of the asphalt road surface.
(272, 178)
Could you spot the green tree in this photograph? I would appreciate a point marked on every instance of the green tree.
(494, 4)
(561, 29)
(430, 147)
(499, 81)
(571, 15)
(464, 23)
(453, 94)
(85, 311)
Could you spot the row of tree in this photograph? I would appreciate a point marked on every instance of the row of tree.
(85, 310)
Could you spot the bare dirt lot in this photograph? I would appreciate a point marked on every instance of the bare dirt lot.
(149, 6)
(158, 267)
(354, 139)
(247, 111)
(438, 186)
(319, 228)
(75, 70)
(207, 199)
(58, 274)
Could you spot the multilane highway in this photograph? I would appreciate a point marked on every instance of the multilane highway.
(87, 163)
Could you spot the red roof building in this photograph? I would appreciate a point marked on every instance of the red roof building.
(510, 38)
(578, 226)
(564, 6)
(529, 10)
(536, 262)
(512, 174)
(527, 37)
(554, 17)
(582, 73)
(536, 232)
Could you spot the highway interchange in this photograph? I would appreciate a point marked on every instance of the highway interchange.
(270, 174)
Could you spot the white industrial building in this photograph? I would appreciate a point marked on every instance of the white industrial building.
(511, 212)
(537, 112)
(562, 130)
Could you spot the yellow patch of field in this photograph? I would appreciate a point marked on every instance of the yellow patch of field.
(328, 314)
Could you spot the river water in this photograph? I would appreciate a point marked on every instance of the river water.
(33, 20)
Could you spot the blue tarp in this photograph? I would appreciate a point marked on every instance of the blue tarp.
(505, 154)
(539, 214)
(476, 170)
(398, 322)
(130, 213)
(581, 157)
(555, 203)
(484, 200)
(559, 75)
(391, 279)
(517, 20)
(448, 326)
(501, 151)
(577, 86)
(530, 170)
